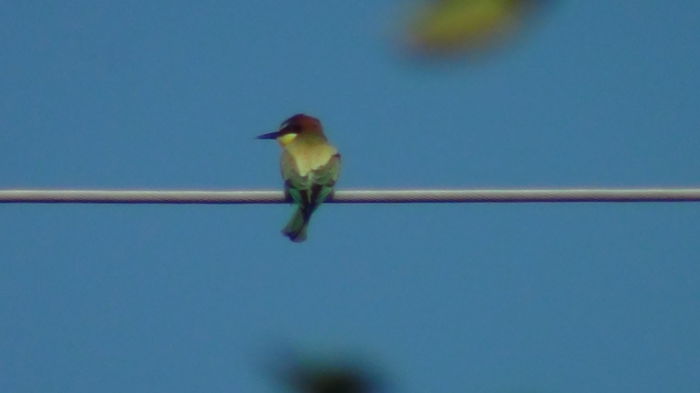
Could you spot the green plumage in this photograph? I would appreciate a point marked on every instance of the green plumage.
(308, 193)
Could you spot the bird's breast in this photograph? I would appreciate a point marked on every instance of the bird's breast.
(307, 158)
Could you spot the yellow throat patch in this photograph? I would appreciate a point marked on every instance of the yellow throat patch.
(286, 139)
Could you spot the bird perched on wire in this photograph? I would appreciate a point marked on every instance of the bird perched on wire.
(310, 167)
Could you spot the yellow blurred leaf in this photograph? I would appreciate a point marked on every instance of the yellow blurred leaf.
(457, 26)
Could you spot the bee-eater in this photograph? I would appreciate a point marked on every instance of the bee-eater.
(310, 167)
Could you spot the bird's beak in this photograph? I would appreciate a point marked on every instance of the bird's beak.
(269, 135)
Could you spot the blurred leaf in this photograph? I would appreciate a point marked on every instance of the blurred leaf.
(462, 26)
(332, 379)
(328, 375)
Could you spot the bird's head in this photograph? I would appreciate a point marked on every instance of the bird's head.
(296, 125)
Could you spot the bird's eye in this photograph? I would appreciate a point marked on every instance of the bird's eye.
(296, 128)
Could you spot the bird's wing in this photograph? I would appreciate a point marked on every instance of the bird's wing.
(328, 174)
(324, 179)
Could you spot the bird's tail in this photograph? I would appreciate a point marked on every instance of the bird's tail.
(296, 227)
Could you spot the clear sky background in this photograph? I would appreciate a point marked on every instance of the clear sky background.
(445, 298)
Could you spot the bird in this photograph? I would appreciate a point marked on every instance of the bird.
(310, 167)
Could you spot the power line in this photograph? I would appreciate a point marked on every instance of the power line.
(356, 196)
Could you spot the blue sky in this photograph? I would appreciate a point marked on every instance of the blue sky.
(469, 298)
